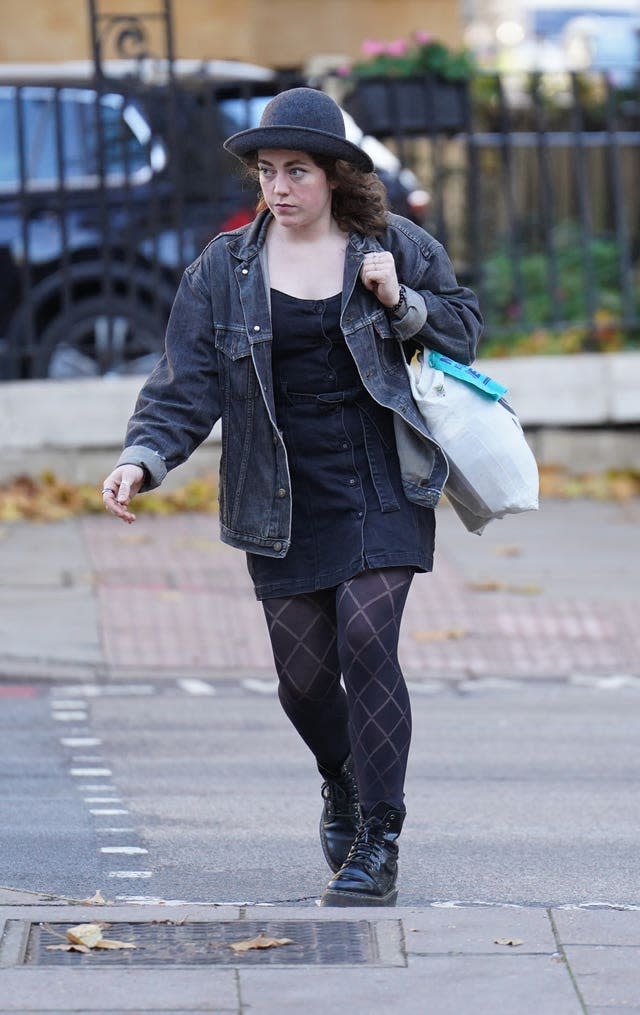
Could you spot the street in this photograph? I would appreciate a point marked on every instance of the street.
(517, 794)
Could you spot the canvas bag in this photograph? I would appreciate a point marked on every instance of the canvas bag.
(492, 471)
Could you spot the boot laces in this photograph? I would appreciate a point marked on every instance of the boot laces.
(341, 795)
(368, 846)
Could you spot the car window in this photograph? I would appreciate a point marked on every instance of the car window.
(45, 114)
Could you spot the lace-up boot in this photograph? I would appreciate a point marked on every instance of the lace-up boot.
(340, 815)
(369, 874)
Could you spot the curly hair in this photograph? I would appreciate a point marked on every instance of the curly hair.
(359, 199)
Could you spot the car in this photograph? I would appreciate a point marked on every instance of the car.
(108, 189)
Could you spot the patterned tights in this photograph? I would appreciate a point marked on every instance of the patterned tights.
(353, 630)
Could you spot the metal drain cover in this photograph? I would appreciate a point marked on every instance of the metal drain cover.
(315, 942)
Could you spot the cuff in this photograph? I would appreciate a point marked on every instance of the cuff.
(413, 318)
(154, 466)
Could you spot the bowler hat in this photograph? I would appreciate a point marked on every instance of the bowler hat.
(300, 119)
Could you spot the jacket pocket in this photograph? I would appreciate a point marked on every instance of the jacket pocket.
(236, 364)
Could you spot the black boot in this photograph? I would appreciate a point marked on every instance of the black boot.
(340, 815)
(369, 874)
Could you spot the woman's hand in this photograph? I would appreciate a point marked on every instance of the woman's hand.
(119, 488)
(378, 274)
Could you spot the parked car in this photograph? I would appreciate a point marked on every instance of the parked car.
(107, 190)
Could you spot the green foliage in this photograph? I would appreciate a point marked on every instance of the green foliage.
(539, 301)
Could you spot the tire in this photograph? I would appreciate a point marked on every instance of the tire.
(114, 333)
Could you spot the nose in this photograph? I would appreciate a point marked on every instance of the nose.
(281, 183)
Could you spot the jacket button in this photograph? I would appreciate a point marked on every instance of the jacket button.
(256, 327)
(282, 492)
(277, 547)
(245, 271)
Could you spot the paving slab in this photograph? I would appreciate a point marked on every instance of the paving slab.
(598, 927)
(607, 975)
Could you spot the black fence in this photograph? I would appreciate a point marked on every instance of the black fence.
(110, 186)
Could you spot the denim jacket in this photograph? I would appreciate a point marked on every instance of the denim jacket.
(217, 365)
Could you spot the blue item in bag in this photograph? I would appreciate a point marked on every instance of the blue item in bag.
(464, 373)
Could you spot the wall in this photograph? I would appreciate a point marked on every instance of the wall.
(277, 33)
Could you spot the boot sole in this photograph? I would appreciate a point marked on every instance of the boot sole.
(332, 898)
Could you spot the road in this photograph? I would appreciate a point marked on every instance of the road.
(517, 794)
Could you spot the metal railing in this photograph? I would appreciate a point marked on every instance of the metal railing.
(109, 187)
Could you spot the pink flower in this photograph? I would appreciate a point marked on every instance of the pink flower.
(343, 71)
(371, 47)
(397, 48)
(422, 38)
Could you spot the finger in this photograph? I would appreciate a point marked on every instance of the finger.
(124, 493)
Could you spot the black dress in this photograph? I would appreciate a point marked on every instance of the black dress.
(350, 513)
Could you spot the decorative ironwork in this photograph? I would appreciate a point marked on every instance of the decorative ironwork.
(128, 36)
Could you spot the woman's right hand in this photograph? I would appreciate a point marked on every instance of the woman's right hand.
(119, 488)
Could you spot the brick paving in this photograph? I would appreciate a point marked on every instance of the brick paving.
(172, 597)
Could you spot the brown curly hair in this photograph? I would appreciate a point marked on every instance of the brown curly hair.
(359, 200)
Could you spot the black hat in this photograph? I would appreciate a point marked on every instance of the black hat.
(286, 121)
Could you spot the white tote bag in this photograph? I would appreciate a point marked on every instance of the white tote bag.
(492, 471)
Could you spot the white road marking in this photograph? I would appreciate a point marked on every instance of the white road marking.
(114, 831)
(107, 810)
(66, 703)
(196, 687)
(260, 686)
(103, 800)
(87, 759)
(127, 850)
(91, 787)
(86, 773)
(130, 874)
(80, 741)
(69, 716)
(111, 690)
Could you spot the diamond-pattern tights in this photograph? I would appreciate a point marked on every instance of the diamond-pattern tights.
(350, 630)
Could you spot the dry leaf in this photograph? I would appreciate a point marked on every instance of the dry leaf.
(95, 900)
(110, 945)
(87, 937)
(443, 634)
(260, 942)
(69, 948)
(486, 586)
(507, 551)
(512, 942)
(85, 934)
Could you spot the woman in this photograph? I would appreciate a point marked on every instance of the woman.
(294, 330)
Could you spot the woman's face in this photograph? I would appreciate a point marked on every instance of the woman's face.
(295, 189)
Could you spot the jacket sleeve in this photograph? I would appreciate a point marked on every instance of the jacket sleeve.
(180, 401)
(441, 314)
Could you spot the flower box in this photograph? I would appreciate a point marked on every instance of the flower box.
(421, 104)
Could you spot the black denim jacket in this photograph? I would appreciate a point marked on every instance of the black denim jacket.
(217, 364)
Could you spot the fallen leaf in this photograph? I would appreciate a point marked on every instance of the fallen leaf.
(511, 942)
(111, 945)
(260, 942)
(95, 900)
(85, 934)
(507, 551)
(486, 586)
(69, 948)
(87, 937)
(443, 634)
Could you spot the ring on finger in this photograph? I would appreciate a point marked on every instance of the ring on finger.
(109, 490)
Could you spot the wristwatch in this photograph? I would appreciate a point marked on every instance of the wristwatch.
(400, 307)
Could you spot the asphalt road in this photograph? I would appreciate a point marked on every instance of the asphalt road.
(517, 794)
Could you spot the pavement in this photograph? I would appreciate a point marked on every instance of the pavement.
(544, 600)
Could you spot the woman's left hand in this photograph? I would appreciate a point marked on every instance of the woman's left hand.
(378, 274)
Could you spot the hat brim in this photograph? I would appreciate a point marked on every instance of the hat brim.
(304, 139)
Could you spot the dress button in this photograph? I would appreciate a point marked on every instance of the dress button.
(360, 513)
(345, 446)
(277, 547)
(352, 482)
(256, 327)
(282, 492)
